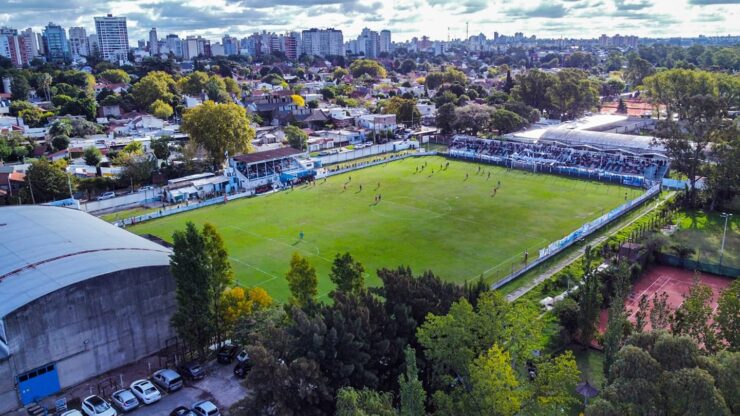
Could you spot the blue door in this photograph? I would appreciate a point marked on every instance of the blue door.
(37, 384)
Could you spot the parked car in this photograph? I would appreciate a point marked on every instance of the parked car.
(106, 195)
(205, 408)
(146, 188)
(145, 391)
(242, 368)
(73, 412)
(125, 400)
(182, 411)
(192, 370)
(167, 379)
(97, 406)
(243, 356)
(227, 353)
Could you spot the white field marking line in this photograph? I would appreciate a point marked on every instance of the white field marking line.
(258, 269)
(505, 261)
(297, 247)
(391, 201)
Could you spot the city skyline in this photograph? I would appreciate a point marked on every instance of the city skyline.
(405, 18)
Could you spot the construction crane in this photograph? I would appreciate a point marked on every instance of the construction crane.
(467, 34)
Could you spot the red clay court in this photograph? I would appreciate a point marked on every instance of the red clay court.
(674, 281)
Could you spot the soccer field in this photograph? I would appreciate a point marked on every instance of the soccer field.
(437, 221)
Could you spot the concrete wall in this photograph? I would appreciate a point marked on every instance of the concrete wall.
(123, 200)
(90, 328)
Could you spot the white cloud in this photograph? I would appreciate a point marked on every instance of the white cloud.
(408, 18)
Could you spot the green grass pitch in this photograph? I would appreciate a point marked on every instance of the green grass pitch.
(430, 221)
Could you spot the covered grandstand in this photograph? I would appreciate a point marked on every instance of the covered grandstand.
(271, 168)
(567, 155)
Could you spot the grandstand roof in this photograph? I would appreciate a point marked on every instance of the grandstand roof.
(643, 144)
(46, 248)
(268, 155)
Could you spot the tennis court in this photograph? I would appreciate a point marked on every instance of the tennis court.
(674, 281)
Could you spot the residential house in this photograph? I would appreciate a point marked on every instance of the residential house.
(377, 122)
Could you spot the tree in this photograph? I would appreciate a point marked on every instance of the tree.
(728, 316)
(215, 90)
(532, 89)
(614, 334)
(555, 383)
(370, 67)
(691, 391)
(297, 138)
(160, 147)
(407, 66)
(404, 109)
(641, 315)
(298, 100)
(454, 340)
(92, 156)
(60, 142)
(509, 83)
(193, 317)
(302, 282)
(193, 84)
(411, 391)
(347, 274)
(220, 274)
(473, 118)
(506, 121)
(156, 85)
(19, 88)
(581, 60)
(567, 312)
(693, 317)
(589, 301)
(17, 106)
(612, 87)
(47, 182)
(339, 73)
(572, 93)
(219, 128)
(161, 109)
(115, 76)
(637, 70)
(661, 314)
(43, 81)
(351, 402)
(723, 176)
(621, 107)
(445, 118)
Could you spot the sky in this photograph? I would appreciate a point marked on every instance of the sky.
(405, 18)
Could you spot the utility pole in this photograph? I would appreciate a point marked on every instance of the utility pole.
(69, 184)
(724, 234)
(30, 187)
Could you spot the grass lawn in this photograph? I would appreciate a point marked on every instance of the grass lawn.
(703, 232)
(440, 222)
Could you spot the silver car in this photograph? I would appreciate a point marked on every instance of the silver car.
(167, 379)
(125, 400)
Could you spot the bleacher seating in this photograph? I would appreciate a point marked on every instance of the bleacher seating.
(560, 155)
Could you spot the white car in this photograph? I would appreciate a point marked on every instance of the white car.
(73, 412)
(205, 408)
(97, 406)
(125, 400)
(145, 391)
(106, 195)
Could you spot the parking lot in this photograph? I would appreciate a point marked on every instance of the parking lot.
(219, 386)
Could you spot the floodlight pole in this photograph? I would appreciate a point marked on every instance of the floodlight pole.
(724, 234)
